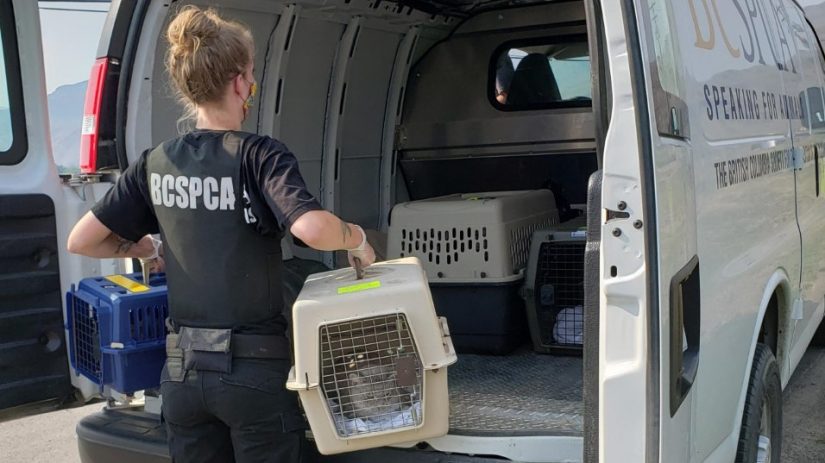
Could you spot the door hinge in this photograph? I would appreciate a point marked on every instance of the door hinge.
(78, 182)
(797, 313)
(798, 155)
(75, 180)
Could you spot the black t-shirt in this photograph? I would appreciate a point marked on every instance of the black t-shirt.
(277, 194)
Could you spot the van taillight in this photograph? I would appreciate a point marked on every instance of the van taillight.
(89, 131)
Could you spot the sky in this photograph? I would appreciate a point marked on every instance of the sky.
(70, 40)
(4, 94)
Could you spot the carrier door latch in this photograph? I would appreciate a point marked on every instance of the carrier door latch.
(611, 214)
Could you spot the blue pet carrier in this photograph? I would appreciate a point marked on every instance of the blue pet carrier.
(117, 330)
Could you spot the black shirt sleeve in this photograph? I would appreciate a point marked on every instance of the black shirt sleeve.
(283, 189)
(126, 209)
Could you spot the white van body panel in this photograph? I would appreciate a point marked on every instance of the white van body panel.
(623, 321)
(804, 339)
(727, 447)
(752, 209)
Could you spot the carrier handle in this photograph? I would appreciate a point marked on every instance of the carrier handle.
(359, 269)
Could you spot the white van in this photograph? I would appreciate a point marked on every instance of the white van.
(690, 135)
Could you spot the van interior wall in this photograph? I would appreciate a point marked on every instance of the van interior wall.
(304, 51)
(166, 110)
(452, 138)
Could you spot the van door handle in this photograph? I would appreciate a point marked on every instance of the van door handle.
(685, 322)
(816, 168)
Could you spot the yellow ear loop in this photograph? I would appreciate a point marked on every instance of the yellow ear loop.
(253, 89)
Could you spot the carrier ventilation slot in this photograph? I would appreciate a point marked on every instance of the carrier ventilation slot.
(445, 246)
(372, 377)
(520, 242)
(148, 323)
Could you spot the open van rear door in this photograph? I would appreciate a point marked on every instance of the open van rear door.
(33, 362)
(647, 156)
(36, 212)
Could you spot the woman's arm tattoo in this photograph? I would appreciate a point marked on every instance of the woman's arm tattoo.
(345, 231)
(123, 245)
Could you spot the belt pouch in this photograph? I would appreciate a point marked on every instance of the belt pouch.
(174, 360)
(206, 349)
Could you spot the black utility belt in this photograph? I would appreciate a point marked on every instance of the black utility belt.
(213, 349)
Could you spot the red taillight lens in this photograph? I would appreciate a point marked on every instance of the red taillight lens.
(91, 117)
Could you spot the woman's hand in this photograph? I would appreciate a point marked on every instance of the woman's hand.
(366, 256)
(152, 250)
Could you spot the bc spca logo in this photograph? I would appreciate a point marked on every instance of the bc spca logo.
(758, 31)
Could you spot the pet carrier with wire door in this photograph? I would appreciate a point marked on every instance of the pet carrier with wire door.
(554, 288)
(474, 248)
(371, 358)
(117, 331)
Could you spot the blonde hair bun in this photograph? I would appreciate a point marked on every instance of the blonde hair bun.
(190, 28)
(205, 52)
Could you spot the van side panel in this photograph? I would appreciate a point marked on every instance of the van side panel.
(739, 107)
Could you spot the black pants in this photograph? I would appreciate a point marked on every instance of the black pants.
(245, 416)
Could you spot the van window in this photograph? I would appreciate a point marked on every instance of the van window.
(6, 136)
(13, 145)
(666, 71)
(816, 97)
(67, 64)
(533, 75)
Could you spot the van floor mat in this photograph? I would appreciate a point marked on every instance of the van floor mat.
(519, 394)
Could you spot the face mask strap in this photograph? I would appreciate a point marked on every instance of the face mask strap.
(253, 89)
(251, 98)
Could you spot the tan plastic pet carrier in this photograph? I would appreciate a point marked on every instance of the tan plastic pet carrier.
(471, 238)
(475, 248)
(371, 358)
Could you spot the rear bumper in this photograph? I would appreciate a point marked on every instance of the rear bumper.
(125, 436)
(132, 436)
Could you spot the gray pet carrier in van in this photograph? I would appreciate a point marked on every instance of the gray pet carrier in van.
(554, 288)
(474, 248)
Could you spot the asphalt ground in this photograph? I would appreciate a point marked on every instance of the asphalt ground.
(803, 411)
(50, 437)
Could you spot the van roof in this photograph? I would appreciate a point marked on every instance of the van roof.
(815, 12)
(464, 8)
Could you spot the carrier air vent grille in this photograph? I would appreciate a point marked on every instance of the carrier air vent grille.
(445, 246)
(372, 377)
(148, 323)
(520, 242)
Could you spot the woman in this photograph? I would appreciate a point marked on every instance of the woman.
(221, 200)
